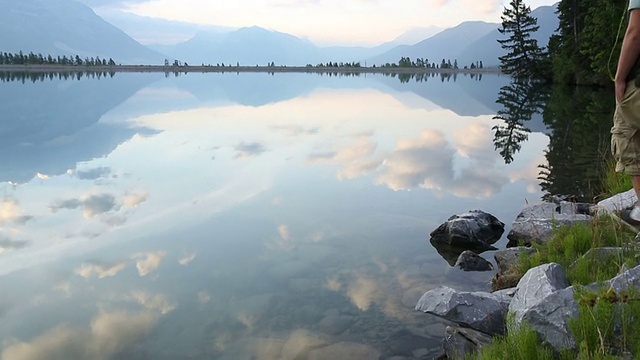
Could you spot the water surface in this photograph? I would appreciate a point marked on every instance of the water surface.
(242, 216)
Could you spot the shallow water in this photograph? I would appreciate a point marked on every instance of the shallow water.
(242, 216)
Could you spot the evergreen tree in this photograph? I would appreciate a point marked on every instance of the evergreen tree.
(524, 58)
(585, 41)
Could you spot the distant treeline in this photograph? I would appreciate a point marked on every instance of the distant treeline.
(38, 59)
(406, 62)
(35, 76)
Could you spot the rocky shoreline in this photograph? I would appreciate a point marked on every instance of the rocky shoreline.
(543, 297)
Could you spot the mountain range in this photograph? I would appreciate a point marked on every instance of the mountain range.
(67, 27)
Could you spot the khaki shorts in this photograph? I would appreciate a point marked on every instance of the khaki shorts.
(625, 133)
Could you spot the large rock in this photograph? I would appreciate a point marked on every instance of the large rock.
(536, 223)
(544, 300)
(550, 319)
(459, 341)
(508, 261)
(478, 310)
(473, 230)
(624, 281)
(535, 286)
(617, 202)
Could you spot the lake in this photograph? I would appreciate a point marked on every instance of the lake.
(257, 216)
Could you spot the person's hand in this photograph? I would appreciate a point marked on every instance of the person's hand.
(621, 88)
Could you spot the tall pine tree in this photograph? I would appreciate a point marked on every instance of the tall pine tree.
(524, 58)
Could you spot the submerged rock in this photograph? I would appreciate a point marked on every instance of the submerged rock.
(459, 341)
(345, 350)
(470, 261)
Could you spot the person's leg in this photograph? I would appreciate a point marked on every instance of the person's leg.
(635, 212)
(625, 145)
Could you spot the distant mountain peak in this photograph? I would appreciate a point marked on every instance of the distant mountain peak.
(66, 27)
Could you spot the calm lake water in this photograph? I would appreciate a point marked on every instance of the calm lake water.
(243, 216)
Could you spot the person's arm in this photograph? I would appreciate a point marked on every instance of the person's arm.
(629, 53)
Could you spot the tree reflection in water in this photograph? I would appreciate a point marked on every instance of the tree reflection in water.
(579, 121)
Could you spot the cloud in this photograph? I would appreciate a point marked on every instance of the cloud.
(93, 174)
(156, 302)
(247, 150)
(10, 212)
(110, 333)
(186, 259)
(485, 7)
(147, 263)
(363, 291)
(133, 200)
(284, 232)
(479, 182)
(10, 245)
(425, 162)
(92, 205)
(356, 159)
(333, 284)
(101, 270)
(203, 297)
(296, 130)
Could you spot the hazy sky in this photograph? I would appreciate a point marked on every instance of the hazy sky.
(349, 22)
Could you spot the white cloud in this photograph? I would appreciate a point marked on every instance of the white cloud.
(363, 291)
(147, 263)
(424, 162)
(356, 159)
(186, 259)
(110, 334)
(11, 212)
(157, 302)
(87, 270)
(133, 200)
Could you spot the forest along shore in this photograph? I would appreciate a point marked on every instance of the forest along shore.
(215, 68)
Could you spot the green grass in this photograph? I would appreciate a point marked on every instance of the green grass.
(608, 324)
(521, 343)
(571, 242)
(595, 329)
(613, 182)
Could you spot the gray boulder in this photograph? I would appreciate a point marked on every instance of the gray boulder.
(535, 286)
(624, 281)
(544, 300)
(536, 224)
(470, 261)
(478, 310)
(473, 230)
(616, 202)
(603, 254)
(460, 341)
(550, 319)
(509, 259)
(505, 296)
